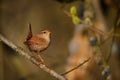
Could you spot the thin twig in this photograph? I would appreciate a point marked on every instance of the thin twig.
(108, 36)
(23, 53)
(76, 67)
(110, 50)
(114, 37)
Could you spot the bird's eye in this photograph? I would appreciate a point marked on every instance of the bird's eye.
(44, 32)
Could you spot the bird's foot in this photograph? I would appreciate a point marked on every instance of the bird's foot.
(38, 58)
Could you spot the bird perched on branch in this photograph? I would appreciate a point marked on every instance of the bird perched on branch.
(39, 42)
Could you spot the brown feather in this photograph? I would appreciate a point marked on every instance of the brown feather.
(29, 36)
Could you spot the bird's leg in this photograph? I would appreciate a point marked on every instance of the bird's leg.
(38, 58)
(33, 55)
(41, 59)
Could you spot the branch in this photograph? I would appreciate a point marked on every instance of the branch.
(116, 25)
(23, 53)
(75, 67)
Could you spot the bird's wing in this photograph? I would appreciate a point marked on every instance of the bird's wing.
(37, 41)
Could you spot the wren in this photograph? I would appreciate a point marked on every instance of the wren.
(39, 42)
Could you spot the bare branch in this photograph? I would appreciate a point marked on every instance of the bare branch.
(76, 67)
(23, 53)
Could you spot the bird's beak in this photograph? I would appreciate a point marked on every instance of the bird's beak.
(50, 33)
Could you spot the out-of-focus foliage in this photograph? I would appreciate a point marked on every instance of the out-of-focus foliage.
(73, 10)
(74, 16)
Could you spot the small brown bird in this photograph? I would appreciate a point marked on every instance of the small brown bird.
(39, 42)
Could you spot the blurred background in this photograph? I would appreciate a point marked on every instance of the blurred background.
(46, 14)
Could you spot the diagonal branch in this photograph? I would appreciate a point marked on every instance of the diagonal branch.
(23, 53)
(76, 67)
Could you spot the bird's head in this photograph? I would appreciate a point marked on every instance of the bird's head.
(45, 33)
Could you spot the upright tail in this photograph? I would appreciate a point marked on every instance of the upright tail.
(29, 36)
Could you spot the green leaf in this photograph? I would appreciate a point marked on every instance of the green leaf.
(76, 20)
(73, 10)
